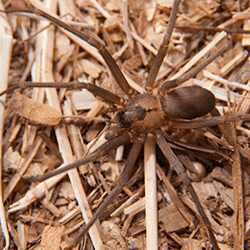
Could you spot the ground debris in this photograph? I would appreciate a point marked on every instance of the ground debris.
(48, 214)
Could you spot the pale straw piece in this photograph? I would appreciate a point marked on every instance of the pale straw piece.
(151, 193)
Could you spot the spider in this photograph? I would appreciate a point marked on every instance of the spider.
(143, 114)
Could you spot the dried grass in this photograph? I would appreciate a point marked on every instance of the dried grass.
(133, 31)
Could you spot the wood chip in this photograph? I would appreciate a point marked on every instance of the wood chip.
(51, 236)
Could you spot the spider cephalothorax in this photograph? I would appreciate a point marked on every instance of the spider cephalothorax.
(143, 114)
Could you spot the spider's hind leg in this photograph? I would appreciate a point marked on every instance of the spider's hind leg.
(178, 167)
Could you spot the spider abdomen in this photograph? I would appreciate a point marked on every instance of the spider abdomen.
(143, 114)
(188, 102)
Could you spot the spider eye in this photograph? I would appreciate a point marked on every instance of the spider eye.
(126, 117)
(188, 102)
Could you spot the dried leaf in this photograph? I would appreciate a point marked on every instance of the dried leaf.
(34, 111)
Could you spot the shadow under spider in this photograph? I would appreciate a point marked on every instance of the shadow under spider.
(143, 114)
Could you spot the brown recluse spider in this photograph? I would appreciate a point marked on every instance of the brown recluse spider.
(142, 114)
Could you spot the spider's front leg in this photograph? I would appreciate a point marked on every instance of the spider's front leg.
(90, 38)
(103, 93)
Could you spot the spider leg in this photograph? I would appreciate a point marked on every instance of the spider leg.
(102, 150)
(178, 167)
(103, 93)
(90, 38)
(211, 121)
(124, 177)
(163, 49)
(193, 72)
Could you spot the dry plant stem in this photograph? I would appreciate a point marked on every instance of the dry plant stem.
(124, 177)
(22, 168)
(163, 49)
(5, 55)
(99, 7)
(126, 23)
(237, 175)
(151, 192)
(127, 203)
(35, 193)
(178, 167)
(200, 54)
(226, 82)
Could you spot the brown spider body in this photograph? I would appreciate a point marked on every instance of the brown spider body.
(145, 113)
